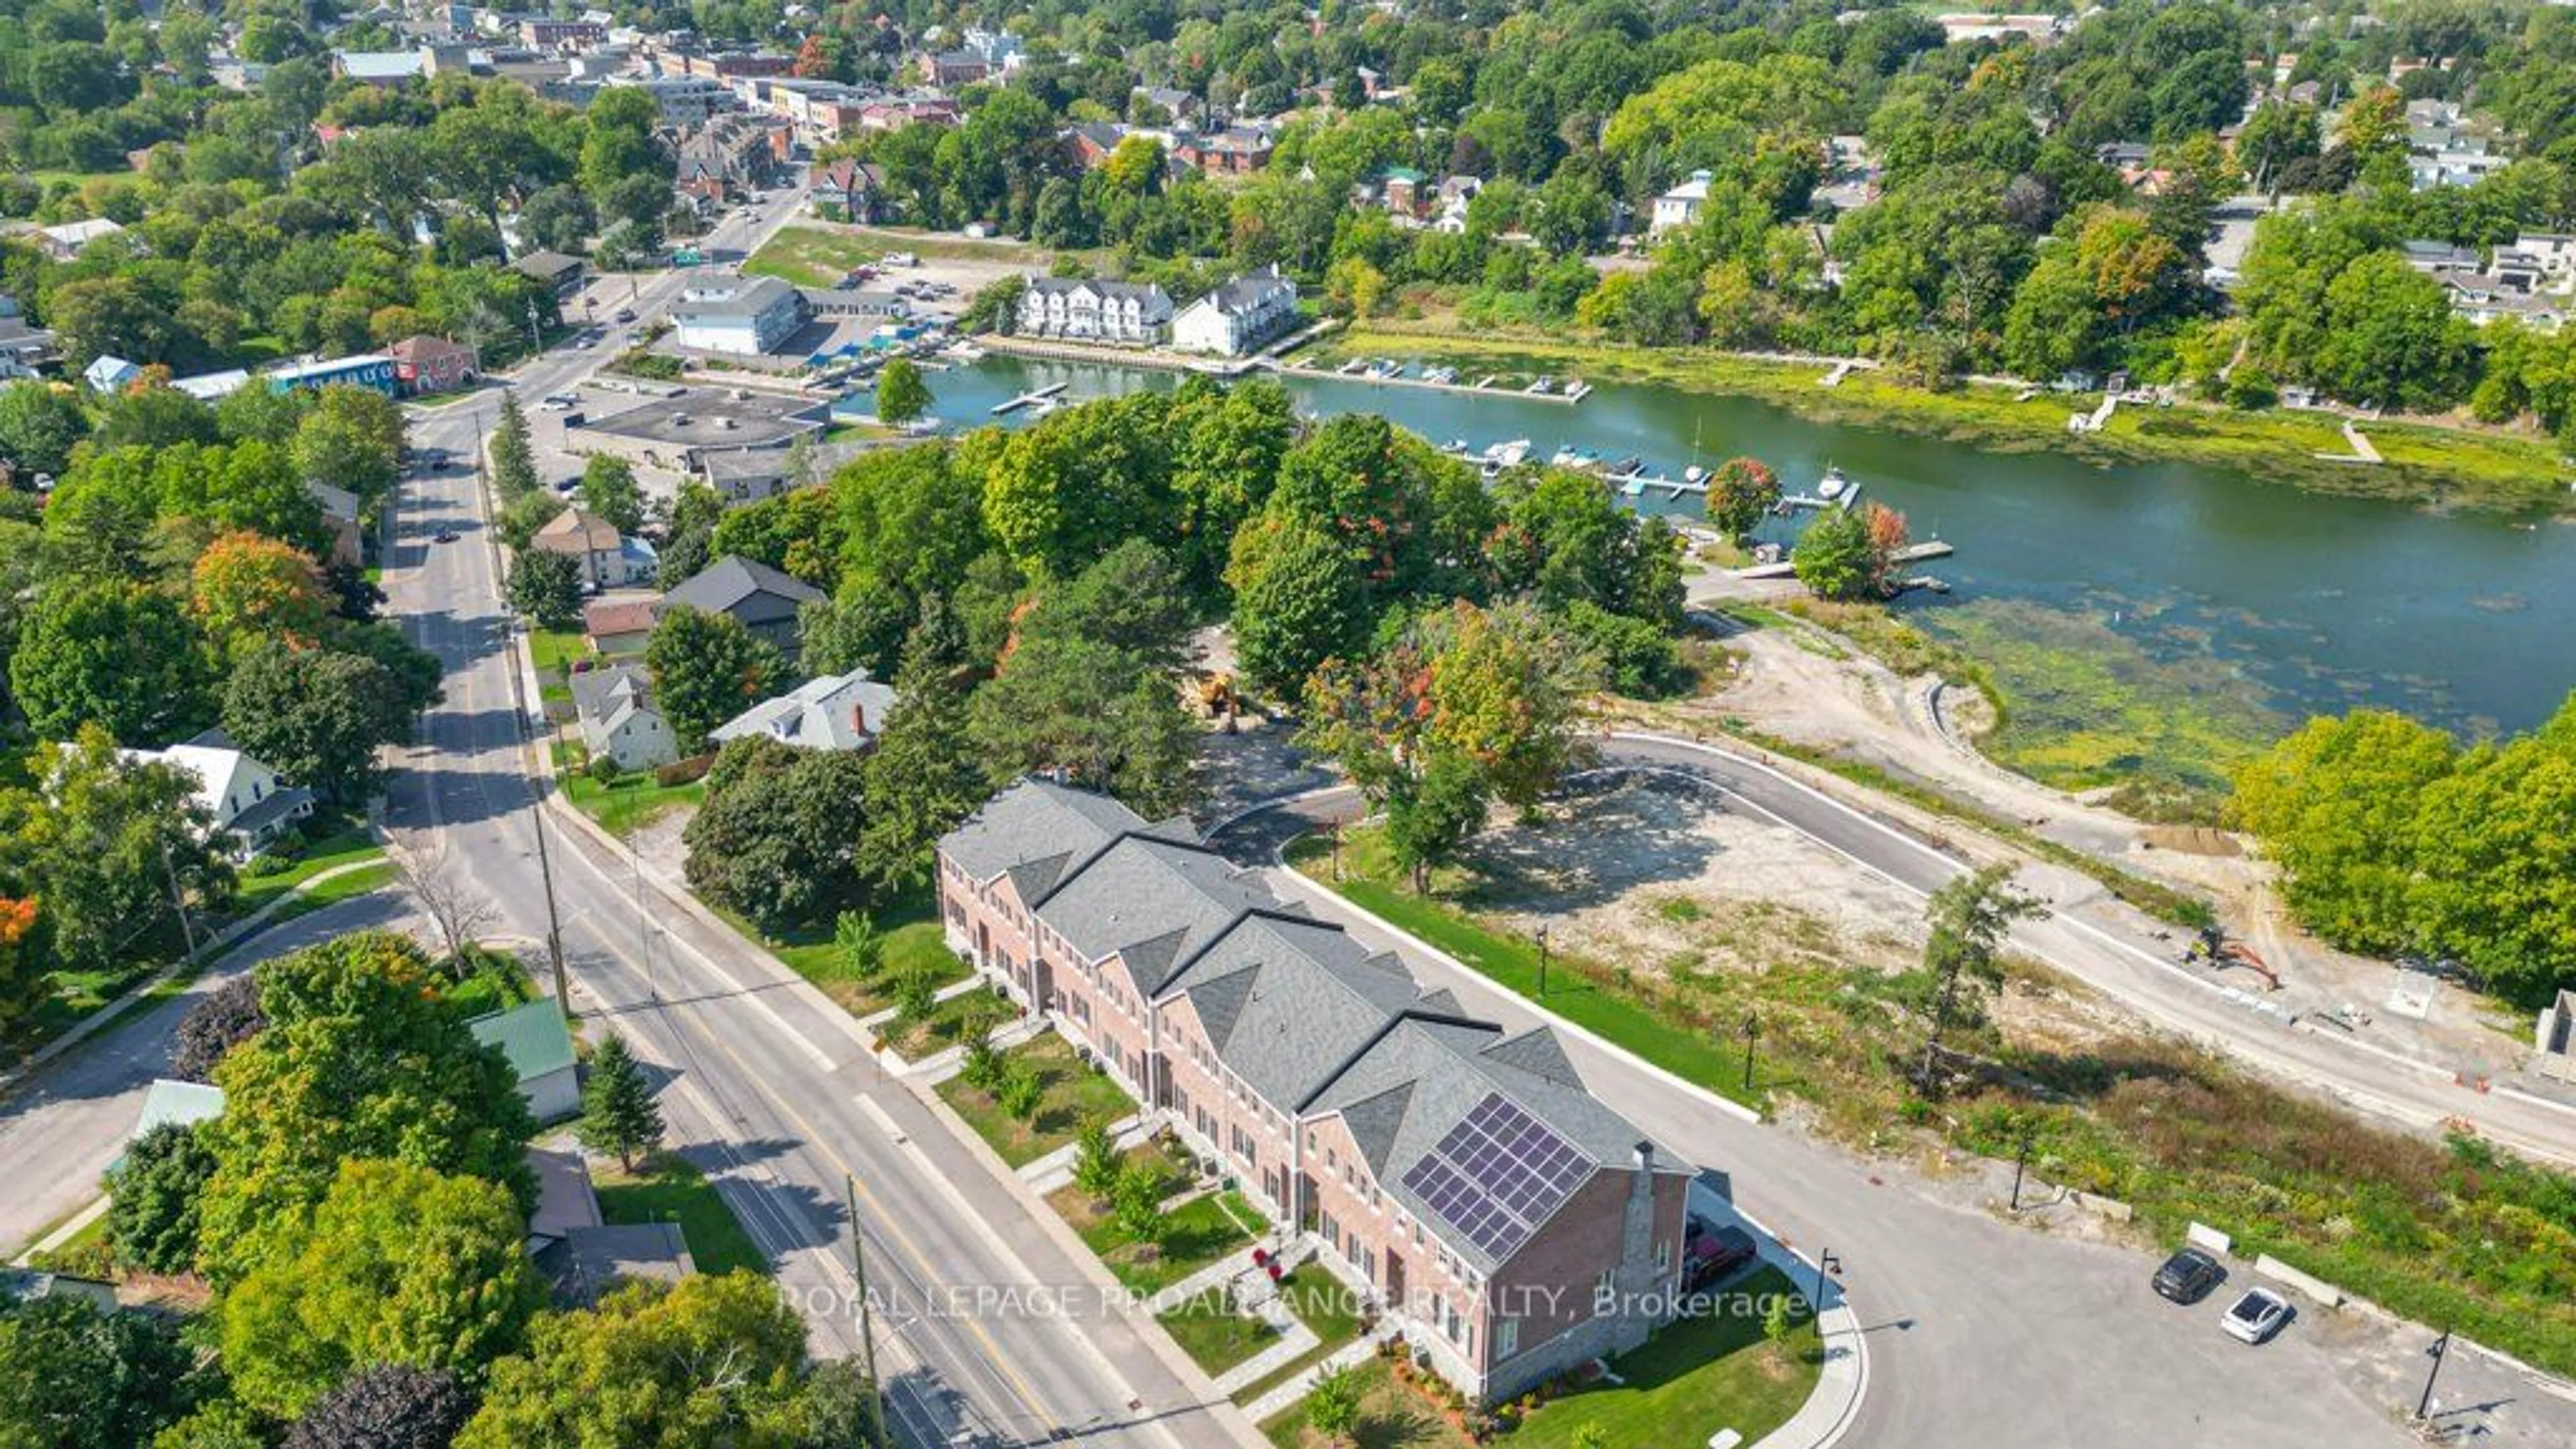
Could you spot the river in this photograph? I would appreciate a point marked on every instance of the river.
(2316, 603)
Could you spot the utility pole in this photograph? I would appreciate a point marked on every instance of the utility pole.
(179, 899)
(546, 872)
(2021, 1163)
(2441, 1349)
(867, 1336)
(1542, 958)
(1752, 1029)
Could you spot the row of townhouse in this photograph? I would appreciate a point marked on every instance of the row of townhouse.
(1459, 1176)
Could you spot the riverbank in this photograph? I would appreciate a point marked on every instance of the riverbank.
(2426, 465)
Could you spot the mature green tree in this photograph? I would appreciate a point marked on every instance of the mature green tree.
(860, 627)
(778, 834)
(1298, 600)
(1963, 957)
(545, 587)
(1432, 813)
(617, 141)
(155, 416)
(634, 1371)
(522, 516)
(115, 654)
(1371, 486)
(921, 781)
(1069, 488)
(385, 1406)
(2495, 877)
(2336, 806)
(154, 1190)
(1333, 1405)
(400, 1265)
(1741, 492)
(1836, 559)
(513, 456)
(221, 1020)
(1090, 709)
(912, 518)
(608, 489)
(707, 668)
(74, 1377)
(100, 845)
(618, 1113)
(319, 716)
(1227, 443)
(901, 393)
(361, 1059)
(38, 426)
(352, 438)
(245, 588)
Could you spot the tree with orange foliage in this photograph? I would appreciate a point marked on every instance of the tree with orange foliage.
(22, 978)
(247, 586)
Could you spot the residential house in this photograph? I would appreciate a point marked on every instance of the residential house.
(65, 241)
(740, 316)
(764, 599)
(851, 191)
(340, 515)
(30, 1285)
(949, 69)
(532, 1038)
(381, 67)
(893, 114)
(1449, 210)
(828, 712)
(1681, 205)
(24, 350)
(613, 707)
(169, 1102)
(619, 626)
(1235, 151)
(213, 387)
(581, 1256)
(748, 475)
(243, 797)
(558, 273)
(604, 555)
(424, 364)
(1176, 105)
(1461, 1176)
(729, 156)
(1239, 317)
(1083, 310)
(107, 376)
(1091, 143)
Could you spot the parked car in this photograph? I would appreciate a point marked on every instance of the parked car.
(2187, 1276)
(1710, 1255)
(2256, 1316)
(556, 402)
(625, 314)
(444, 535)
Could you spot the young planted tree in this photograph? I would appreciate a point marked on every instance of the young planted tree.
(1136, 1204)
(618, 1113)
(861, 947)
(1333, 1405)
(1963, 958)
(1430, 815)
(1096, 1161)
(1020, 1093)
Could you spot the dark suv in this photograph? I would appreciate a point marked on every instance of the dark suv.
(2187, 1276)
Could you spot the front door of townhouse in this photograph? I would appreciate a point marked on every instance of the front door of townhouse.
(1394, 1280)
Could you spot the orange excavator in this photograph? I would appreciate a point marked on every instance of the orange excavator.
(2212, 946)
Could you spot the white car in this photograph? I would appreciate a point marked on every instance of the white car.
(2256, 1316)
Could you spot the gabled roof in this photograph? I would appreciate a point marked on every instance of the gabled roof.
(724, 586)
(532, 1037)
(577, 530)
(1289, 1002)
(607, 698)
(829, 712)
(1039, 827)
(1152, 902)
(168, 1100)
(1417, 1083)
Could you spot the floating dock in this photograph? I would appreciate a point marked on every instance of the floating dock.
(1570, 392)
(1912, 553)
(1035, 397)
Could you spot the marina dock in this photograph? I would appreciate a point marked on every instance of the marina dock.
(1912, 553)
(1034, 397)
(1572, 391)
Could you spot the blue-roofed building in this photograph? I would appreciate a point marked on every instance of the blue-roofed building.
(365, 369)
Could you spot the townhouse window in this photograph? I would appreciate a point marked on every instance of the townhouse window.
(1507, 1338)
(1663, 1255)
(1333, 1159)
(1601, 1292)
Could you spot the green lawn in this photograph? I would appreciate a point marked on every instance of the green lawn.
(634, 802)
(1392, 1416)
(1328, 1310)
(946, 1024)
(670, 1189)
(1698, 1376)
(556, 649)
(913, 941)
(267, 879)
(1513, 963)
(1197, 1233)
(1213, 1334)
(1075, 1096)
(810, 256)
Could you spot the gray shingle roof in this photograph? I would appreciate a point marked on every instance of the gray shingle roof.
(1421, 1078)
(745, 588)
(1289, 1002)
(1151, 901)
(1037, 827)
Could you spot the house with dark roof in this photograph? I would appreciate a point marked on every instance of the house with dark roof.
(1457, 1174)
(847, 190)
(613, 706)
(764, 599)
(1238, 317)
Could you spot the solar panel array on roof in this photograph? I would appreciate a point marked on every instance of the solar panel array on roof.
(1498, 1175)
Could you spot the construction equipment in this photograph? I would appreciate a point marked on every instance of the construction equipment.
(2213, 947)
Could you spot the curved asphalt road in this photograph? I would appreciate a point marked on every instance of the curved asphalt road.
(1980, 1332)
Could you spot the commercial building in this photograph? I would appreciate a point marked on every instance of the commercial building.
(1137, 314)
(1239, 317)
(1460, 1175)
(741, 316)
(679, 432)
(366, 369)
(425, 364)
(686, 101)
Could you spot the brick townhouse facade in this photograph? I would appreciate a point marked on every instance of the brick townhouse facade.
(1459, 1175)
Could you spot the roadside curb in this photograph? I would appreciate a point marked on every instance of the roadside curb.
(215, 949)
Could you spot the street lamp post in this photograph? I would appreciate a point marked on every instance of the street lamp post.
(2021, 1163)
(2441, 1349)
(1826, 1262)
(1752, 1028)
(1542, 958)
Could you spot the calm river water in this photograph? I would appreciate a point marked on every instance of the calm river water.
(2319, 602)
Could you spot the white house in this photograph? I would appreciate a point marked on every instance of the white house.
(833, 712)
(608, 559)
(108, 376)
(1136, 314)
(615, 708)
(245, 796)
(539, 1049)
(743, 316)
(1680, 206)
(1238, 317)
(65, 241)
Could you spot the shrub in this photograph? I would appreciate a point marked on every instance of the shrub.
(604, 769)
